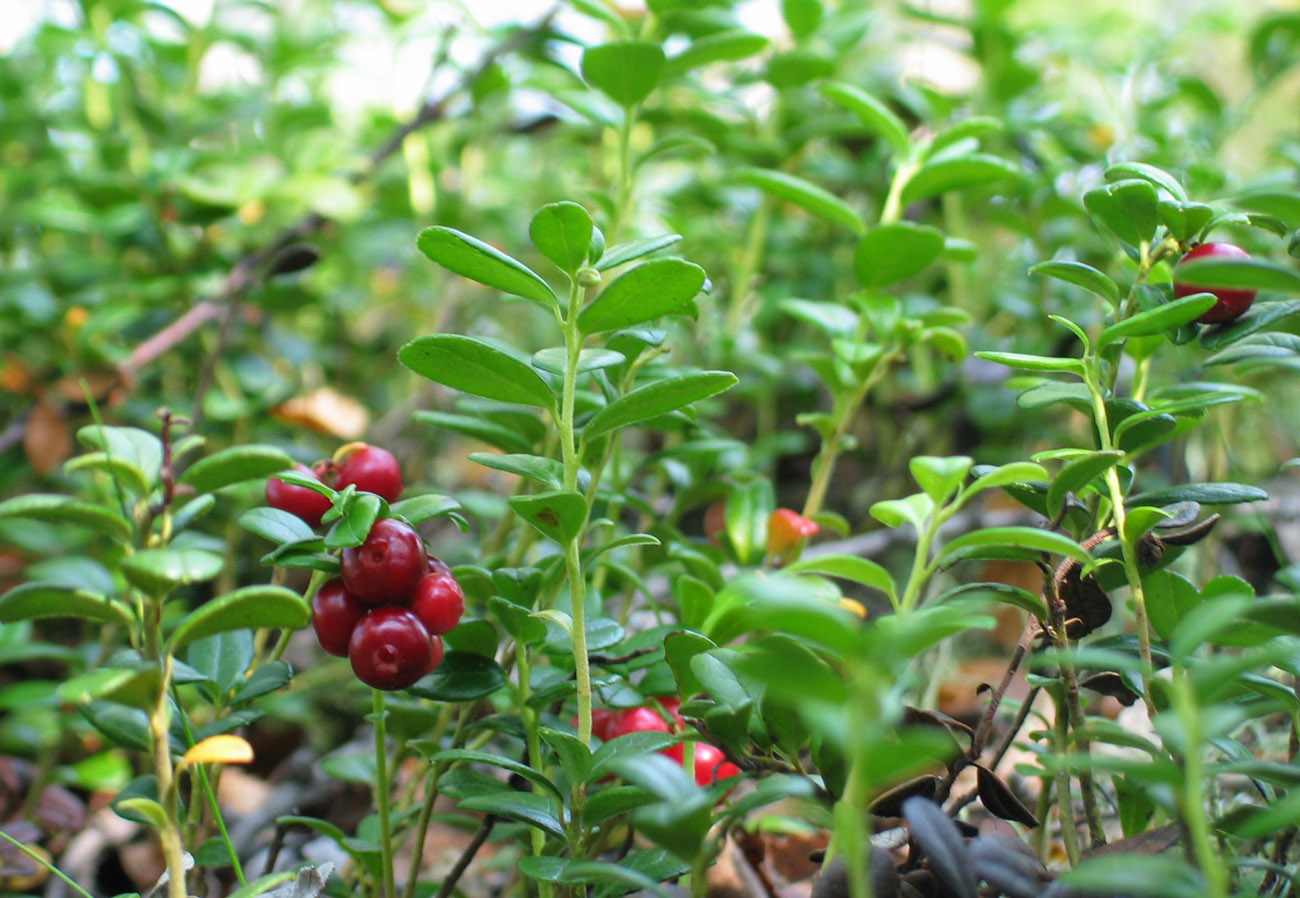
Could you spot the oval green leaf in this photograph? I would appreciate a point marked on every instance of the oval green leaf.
(249, 608)
(30, 601)
(1128, 209)
(235, 465)
(1080, 275)
(656, 399)
(1030, 538)
(635, 249)
(817, 200)
(1158, 320)
(69, 510)
(873, 113)
(892, 252)
(721, 46)
(958, 173)
(651, 289)
(472, 258)
(474, 366)
(562, 232)
(158, 571)
(625, 71)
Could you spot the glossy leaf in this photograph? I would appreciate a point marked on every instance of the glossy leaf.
(651, 289)
(158, 571)
(1076, 474)
(472, 258)
(848, 567)
(474, 366)
(1252, 274)
(29, 601)
(1063, 365)
(461, 677)
(889, 253)
(1029, 538)
(555, 359)
(1080, 275)
(635, 249)
(1158, 320)
(67, 509)
(1127, 209)
(873, 113)
(657, 398)
(957, 173)
(1159, 177)
(562, 232)
(1204, 493)
(625, 71)
(235, 465)
(558, 514)
(721, 46)
(248, 608)
(817, 200)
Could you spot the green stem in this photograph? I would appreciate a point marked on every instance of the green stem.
(44, 862)
(1193, 793)
(205, 783)
(1064, 802)
(893, 208)
(381, 795)
(1132, 571)
(170, 835)
(533, 739)
(751, 257)
(624, 202)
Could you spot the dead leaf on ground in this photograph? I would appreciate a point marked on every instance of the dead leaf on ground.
(325, 411)
(47, 439)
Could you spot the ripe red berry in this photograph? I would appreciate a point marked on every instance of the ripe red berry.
(438, 566)
(711, 764)
(639, 720)
(438, 602)
(386, 567)
(298, 500)
(1232, 303)
(390, 649)
(436, 659)
(334, 615)
(372, 469)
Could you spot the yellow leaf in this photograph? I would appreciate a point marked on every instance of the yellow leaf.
(225, 749)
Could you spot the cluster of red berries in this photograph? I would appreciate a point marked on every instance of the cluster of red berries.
(392, 602)
(369, 468)
(711, 764)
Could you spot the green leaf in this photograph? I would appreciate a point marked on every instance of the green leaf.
(562, 232)
(679, 648)
(130, 446)
(651, 289)
(251, 607)
(575, 758)
(352, 528)
(1004, 593)
(546, 471)
(912, 510)
(1077, 474)
(889, 253)
(1260, 316)
(873, 113)
(472, 258)
(1252, 274)
(974, 127)
(721, 46)
(1285, 206)
(1205, 493)
(801, 16)
(418, 509)
(29, 601)
(1080, 275)
(559, 514)
(276, 525)
(67, 509)
(235, 465)
(613, 801)
(958, 173)
(1184, 220)
(1025, 362)
(158, 571)
(938, 476)
(147, 808)
(817, 200)
(474, 366)
(1258, 348)
(472, 756)
(848, 567)
(1159, 177)
(478, 428)
(1030, 538)
(461, 677)
(1158, 320)
(635, 249)
(1126, 208)
(657, 398)
(1003, 475)
(625, 71)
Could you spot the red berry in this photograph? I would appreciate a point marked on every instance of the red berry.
(438, 602)
(390, 649)
(711, 766)
(436, 643)
(334, 615)
(438, 566)
(386, 567)
(298, 500)
(1232, 303)
(374, 470)
(639, 720)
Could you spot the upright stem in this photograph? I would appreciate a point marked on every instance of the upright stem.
(572, 549)
(381, 795)
(824, 463)
(1132, 570)
(750, 258)
(1192, 798)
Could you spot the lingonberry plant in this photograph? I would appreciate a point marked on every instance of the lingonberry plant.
(711, 535)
